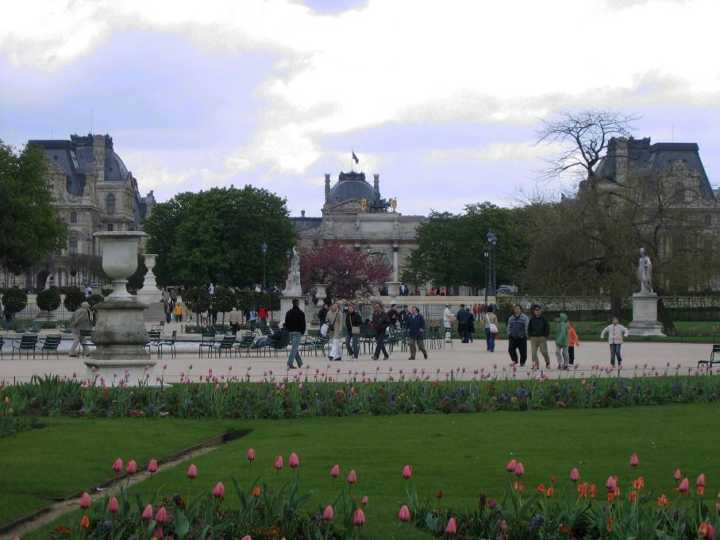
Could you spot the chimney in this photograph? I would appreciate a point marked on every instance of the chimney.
(376, 183)
(327, 187)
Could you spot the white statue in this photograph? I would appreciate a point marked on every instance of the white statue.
(645, 272)
(293, 287)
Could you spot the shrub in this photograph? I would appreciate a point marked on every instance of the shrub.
(197, 299)
(14, 301)
(73, 298)
(95, 299)
(223, 300)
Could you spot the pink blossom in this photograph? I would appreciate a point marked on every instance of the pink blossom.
(404, 513)
(85, 500)
(147, 514)
(118, 465)
(407, 472)
(246, 537)
(218, 491)
(358, 518)
(113, 506)
(132, 467)
(677, 475)
(294, 461)
(328, 513)
(700, 482)
(684, 486)
(634, 460)
(352, 477)
(152, 466)
(574, 474)
(519, 469)
(510, 467)
(162, 515)
(364, 501)
(611, 484)
(250, 455)
(279, 463)
(451, 528)
(335, 471)
(192, 471)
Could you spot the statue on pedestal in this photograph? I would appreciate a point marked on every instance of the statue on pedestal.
(293, 287)
(644, 272)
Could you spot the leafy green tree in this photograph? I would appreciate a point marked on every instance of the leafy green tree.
(73, 298)
(30, 229)
(95, 299)
(223, 301)
(216, 236)
(48, 300)
(14, 301)
(197, 299)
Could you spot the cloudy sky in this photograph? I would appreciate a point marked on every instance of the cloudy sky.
(442, 99)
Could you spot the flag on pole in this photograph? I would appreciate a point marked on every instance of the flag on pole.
(355, 158)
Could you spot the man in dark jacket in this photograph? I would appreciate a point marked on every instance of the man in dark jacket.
(538, 332)
(463, 323)
(517, 336)
(322, 314)
(295, 325)
(393, 316)
(415, 325)
(379, 324)
(353, 322)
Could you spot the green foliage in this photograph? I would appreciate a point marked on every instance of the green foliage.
(73, 298)
(12, 425)
(248, 299)
(197, 299)
(14, 301)
(135, 282)
(49, 299)
(95, 299)
(223, 300)
(215, 236)
(30, 229)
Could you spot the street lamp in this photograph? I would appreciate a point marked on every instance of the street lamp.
(486, 255)
(491, 238)
(263, 248)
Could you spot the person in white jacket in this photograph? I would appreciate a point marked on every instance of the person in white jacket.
(448, 318)
(615, 333)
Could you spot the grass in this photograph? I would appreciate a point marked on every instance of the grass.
(464, 455)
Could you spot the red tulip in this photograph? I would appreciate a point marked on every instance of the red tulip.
(250, 455)
(404, 513)
(161, 516)
(684, 486)
(117, 466)
(192, 471)
(510, 467)
(634, 460)
(364, 501)
(85, 521)
(611, 484)
(152, 466)
(335, 471)
(132, 467)
(574, 474)
(279, 463)
(677, 475)
(407, 472)
(352, 477)
(147, 514)
(328, 513)
(294, 461)
(451, 528)
(218, 491)
(700, 482)
(113, 506)
(358, 518)
(519, 469)
(85, 500)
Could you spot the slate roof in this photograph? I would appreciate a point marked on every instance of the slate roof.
(352, 186)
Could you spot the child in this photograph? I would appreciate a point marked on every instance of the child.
(562, 342)
(573, 341)
(616, 332)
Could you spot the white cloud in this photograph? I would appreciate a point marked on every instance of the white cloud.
(497, 152)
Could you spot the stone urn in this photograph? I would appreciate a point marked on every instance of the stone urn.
(150, 292)
(320, 293)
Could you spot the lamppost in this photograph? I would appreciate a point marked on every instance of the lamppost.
(491, 238)
(263, 248)
(486, 254)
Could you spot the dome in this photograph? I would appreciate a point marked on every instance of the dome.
(115, 170)
(352, 186)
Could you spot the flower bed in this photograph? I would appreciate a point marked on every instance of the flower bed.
(223, 397)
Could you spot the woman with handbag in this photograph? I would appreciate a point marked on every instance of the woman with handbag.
(491, 328)
(335, 327)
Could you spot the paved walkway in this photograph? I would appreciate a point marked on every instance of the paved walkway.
(465, 361)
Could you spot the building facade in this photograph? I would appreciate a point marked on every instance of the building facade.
(93, 191)
(356, 215)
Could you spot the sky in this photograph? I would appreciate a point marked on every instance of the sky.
(443, 98)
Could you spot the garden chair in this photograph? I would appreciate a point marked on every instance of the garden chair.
(714, 357)
(2, 342)
(278, 344)
(50, 345)
(169, 344)
(26, 344)
(245, 344)
(225, 345)
(207, 342)
(153, 341)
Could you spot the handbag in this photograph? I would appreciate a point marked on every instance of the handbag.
(493, 328)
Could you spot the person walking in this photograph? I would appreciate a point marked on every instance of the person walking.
(178, 312)
(235, 318)
(379, 324)
(353, 322)
(322, 314)
(470, 324)
(538, 332)
(463, 320)
(491, 328)
(393, 316)
(561, 342)
(334, 321)
(295, 326)
(615, 333)
(80, 322)
(573, 341)
(447, 323)
(416, 332)
(517, 330)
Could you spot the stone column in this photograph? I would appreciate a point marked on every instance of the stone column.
(396, 269)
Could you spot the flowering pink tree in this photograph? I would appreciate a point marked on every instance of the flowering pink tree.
(345, 270)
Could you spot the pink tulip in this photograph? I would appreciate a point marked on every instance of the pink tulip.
(684, 486)
(192, 471)
(250, 455)
(451, 527)
(147, 514)
(218, 491)
(335, 471)
(152, 466)
(352, 477)
(700, 482)
(113, 506)
(294, 461)
(611, 484)
(510, 467)
(358, 518)
(132, 467)
(279, 463)
(328, 513)
(519, 469)
(404, 513)
(407, 472)
(161, 516)
(85, 500)
(364, 501)
(677, 475)
(634, 460)
(574, 474)
(118, 465)
(246, 537)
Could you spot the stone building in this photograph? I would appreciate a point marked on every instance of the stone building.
(93, 191)
(355, 214)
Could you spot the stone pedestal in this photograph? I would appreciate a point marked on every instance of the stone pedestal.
(645, 321)
(393, 288)
(150, 293)
(286, 304)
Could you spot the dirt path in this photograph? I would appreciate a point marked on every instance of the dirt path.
(23, 526)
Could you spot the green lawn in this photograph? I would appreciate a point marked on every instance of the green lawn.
(463, 455)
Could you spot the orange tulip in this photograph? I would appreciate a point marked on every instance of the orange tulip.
(256, 491)
(663, 501)
(550, 492)
(633, 496)
(541, 488)
(639, 483)
(85, 521)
